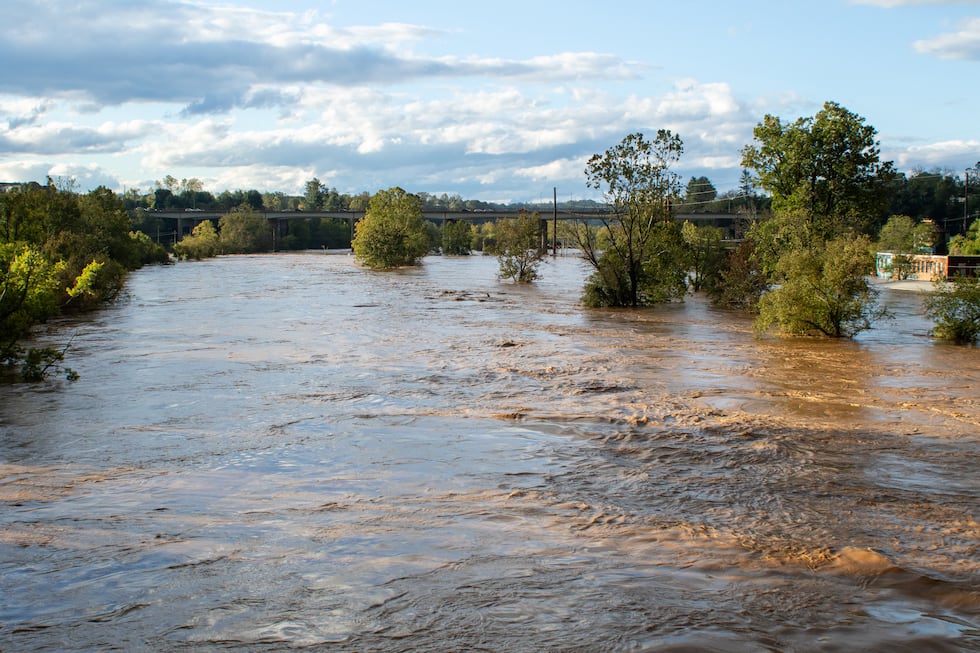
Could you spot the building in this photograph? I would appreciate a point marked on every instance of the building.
(927, 267)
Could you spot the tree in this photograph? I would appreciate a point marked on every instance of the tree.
(518, 247)
(313, 197)
(740, 282)
(699, 193)
(826, 167)
(637, 182)
(969, 244)
(897, 235)
(202, 243)
(29, 285)
(392, 232)
(825, 291)
(456, 237)
(955, 308)
(59, 251)
(705, 253)
(243, 231)
(936, 195)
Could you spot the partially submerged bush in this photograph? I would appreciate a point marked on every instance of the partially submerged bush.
(955, 308)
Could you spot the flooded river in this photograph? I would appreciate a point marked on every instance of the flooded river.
(288, 451)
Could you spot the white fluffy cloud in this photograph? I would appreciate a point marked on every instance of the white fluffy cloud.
(124, 93)
(964, 43)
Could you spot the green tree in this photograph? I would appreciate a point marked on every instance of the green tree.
(740, 282)
(313, 197)
(60, 251)
(29, 293)
(698, 193)
(456, 237)
(825, 291)
(243, 231)
(955, 308)
(484, 237)
(202, 243)
(637, 182)
(705, 253)
(968, 244)
(392, 232)
(827, 167)
(897, 235)
(518, 247)
(662, 276)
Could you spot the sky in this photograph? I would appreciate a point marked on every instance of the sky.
(499, 101)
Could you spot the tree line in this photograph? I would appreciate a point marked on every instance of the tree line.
(60, 252)
(815, 197)
(802, 267)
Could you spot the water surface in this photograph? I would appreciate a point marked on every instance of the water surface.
(287, 451)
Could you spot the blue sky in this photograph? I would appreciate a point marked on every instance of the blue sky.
(496, 101)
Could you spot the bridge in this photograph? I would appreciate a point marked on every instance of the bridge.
(732, 225)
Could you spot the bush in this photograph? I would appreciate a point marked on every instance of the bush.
(392, 232)
(202, 243)
(824, 291)
(955, 308)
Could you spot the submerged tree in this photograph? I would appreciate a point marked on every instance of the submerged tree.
(955, 308)
(740, 282)
(825, 291)
(635, 263)
(456, 238)
(518, 247)
(201, 243)
(243, 231)
(705, 253)
(392, 232)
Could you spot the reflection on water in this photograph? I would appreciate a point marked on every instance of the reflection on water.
(275, 452)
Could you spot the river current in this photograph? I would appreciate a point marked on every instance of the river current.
(280, 452)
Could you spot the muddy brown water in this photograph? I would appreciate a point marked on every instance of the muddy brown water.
(288, 451)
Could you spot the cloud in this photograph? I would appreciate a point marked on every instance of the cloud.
(60, 137)
(961, 44)
(87, 176)
(939, 154)
(212, 58)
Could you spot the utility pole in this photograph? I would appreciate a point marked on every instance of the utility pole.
(554, 221)
(966, 197)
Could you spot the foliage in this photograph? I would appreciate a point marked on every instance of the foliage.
(661, 277)
(825, 291)
(705, 253)
(456, 238)
(60, 251)
(147, 250)
(28, 294)
(955, 308)
(518, 247)
(484, 237)
(936, 195)
(243, 231)
(202, 243)
(637, 182)
(903, 235)
(699, 192)
(740, 282)
(392, 232)
(897, 235)
(969, 244)
(826, 167)
(779, 234)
